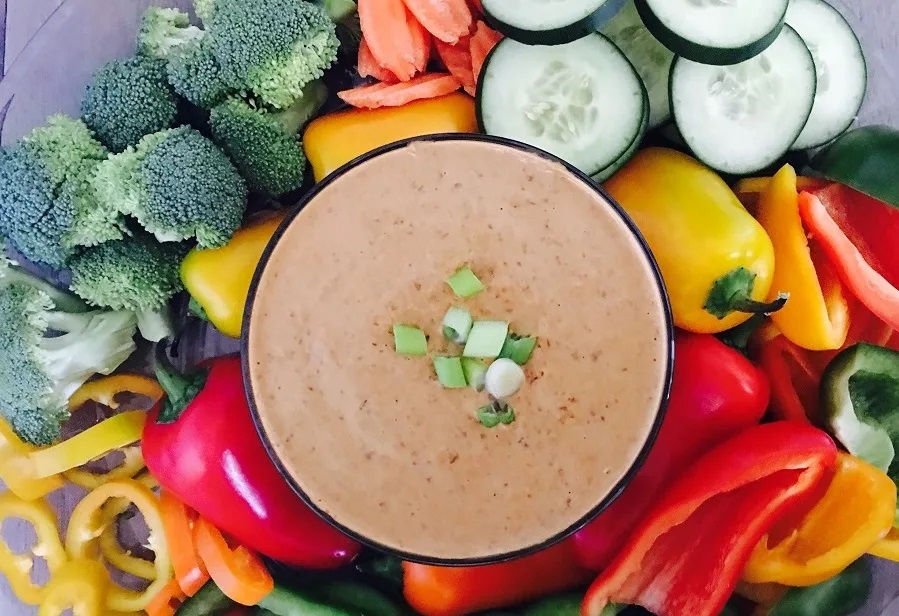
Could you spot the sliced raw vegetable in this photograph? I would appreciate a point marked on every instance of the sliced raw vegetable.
(518, 348)
(464, 283)
(482, 42)
(651, 59)
(421, 43)
(457, 60)
(582, 101)
(446, 20)
(714, 31)
(385, 26)
(612, 169)
(740, 119)
(538, 22)
(865, 159)
(409, 340)
(475, 372)
(457, 324)
(449, 372)
(496, 413)
(397, 94)
(504, 378)
(369, 67)
(486, 339)
(841, 68)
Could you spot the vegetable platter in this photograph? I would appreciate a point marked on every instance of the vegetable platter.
(150, 162)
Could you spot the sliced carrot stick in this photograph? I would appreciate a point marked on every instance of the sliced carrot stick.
(457, 60)
(447, 20)
(369, 67)
(429, 85)
(483, 41)
(386, 28)
(421, 41)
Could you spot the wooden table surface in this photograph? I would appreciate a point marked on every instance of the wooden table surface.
(48, 48)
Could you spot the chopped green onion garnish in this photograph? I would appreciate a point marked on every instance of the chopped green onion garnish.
(409, 340)
(495, 413)
(486, 339)
(475, 371)
(503, 379)
(449, 372)
(456, 325)
(464, 283)
(518, 348)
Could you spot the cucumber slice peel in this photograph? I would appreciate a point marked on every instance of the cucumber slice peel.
(538, 22)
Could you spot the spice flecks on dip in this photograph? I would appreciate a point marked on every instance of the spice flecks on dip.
(370, 436)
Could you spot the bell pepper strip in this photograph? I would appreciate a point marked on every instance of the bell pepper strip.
(456, 591)
(88, 521)
(16, 567)
(17, 470)
(335, 139)
(816, 317)
(208, 600)
(866, 283)
(236, 570)
(168, 601)
(110, 547)
(218, 279)
(203, 448)
(838, 596)
(715, 394)
(888, 547)
(749, 190)
(132, 464)
(80, 586)
(104, 390)
(831, 536)
(794, 379)
(178, 521)
(686, 556)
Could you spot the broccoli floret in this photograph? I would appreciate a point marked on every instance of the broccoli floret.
(39, 371)
(263, 144)
(178, 185)
(164, 31)
(47, 206)
(196, 74)
(203, 9)
(127, 99)
(272, 48)
(137, 274)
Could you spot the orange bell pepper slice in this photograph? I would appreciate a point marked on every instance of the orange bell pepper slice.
(237, 571)
(178, 520)
(888, 547)
(167, 601)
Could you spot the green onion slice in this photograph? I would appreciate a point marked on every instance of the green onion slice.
(518, 348)
(475, 372)
(409, 340)
(456, 325)
(496, 413)
(464, 283)
(449, 372)
(486, 339)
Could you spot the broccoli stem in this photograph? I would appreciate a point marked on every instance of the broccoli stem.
(338, 10)
(155, 325)
(304, 108)
(180, 389)
(66, 302)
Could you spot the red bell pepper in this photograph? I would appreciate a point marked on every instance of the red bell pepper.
(716, 393)
(201, 445)
(687, 555)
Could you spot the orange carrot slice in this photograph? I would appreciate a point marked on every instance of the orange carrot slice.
(430, 85)
(477, 9)
(421, 43)
(386, 28)
(369, 67)
(457, 60)
(447, 20)
(483, 41)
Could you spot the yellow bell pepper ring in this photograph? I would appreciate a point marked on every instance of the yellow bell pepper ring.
(856, 512)
(888, 547)
(17, 567)
(716, 259)
(79, 585)
(132, 464)
(17, 470)
(88, 522)
(112, 550)
(105, 390)
(218, 279)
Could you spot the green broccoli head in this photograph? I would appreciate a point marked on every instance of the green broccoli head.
(164, 31)
(47, 205)
(203, 9)
(196, 74)
(263, 144)
(47, 353)
(127, 99)
(178, 185)
(273, 48)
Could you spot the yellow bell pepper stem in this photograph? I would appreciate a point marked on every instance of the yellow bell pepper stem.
(88, 521)
(105, 390)
(17, 470)
(817, 315)
(856, 512)
(132, 464)
(888, 547)
(17, 567)
(335, 139)
(80, 586)
(218, 279)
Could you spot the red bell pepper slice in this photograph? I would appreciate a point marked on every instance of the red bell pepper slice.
(687, 555)
(794, 378)
(716, 393)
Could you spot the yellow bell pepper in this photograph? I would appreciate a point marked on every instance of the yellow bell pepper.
(817, 315)
(218, 279)
(80, 586)
(88, 522)
(335, 139)
(888, 547)
(856, 512)
(748, 190)
(17, 567)
(110, 547)
(716, 260)
(17, 470)
(132, 464)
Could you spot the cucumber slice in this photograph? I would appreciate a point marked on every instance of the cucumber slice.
(651, 59)
(866, 159)
(553, 22)
(739, 119)
(841, 68)
(582, 101)
(612, 169)
(714, 31)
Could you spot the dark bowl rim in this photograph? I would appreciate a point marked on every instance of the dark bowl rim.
(607, 500)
